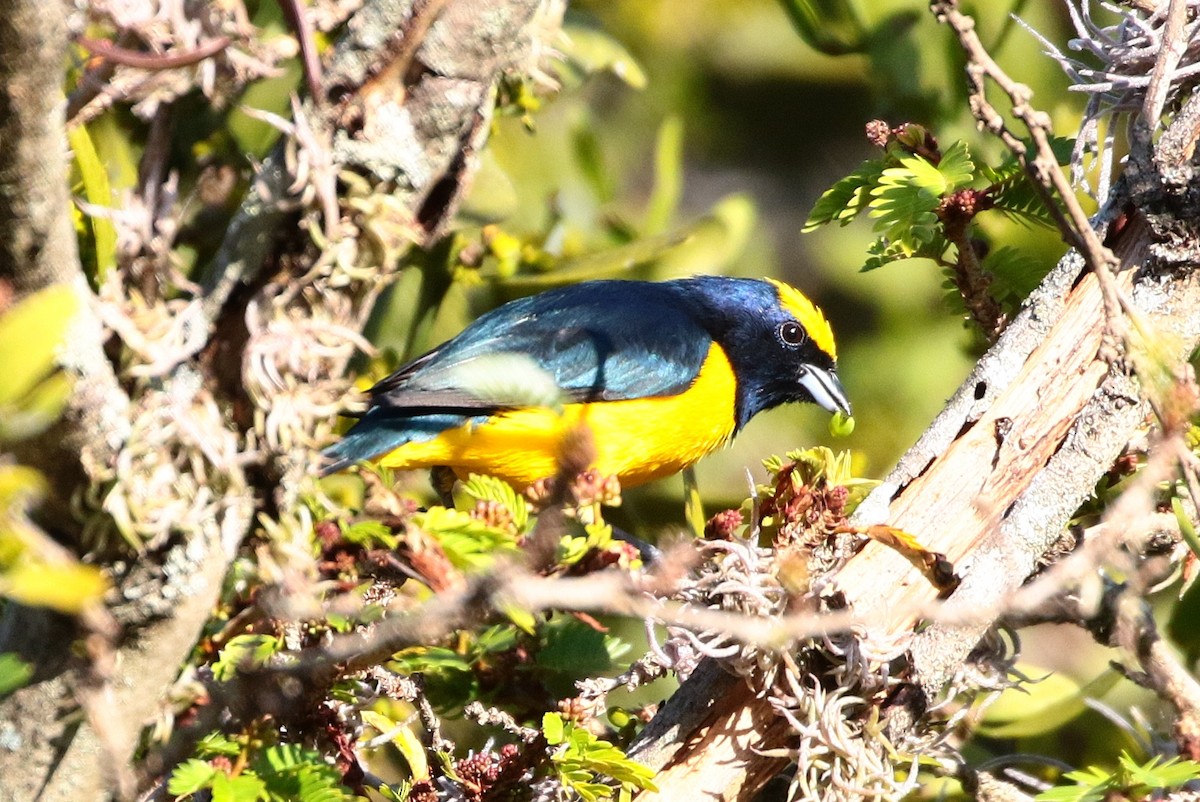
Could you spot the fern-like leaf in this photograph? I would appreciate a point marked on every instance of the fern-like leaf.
(846, 199)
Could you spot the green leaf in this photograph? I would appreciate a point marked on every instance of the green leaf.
(578, 650)
(488, 488)
(244, 652)
(1186, 529)
(68, 587)
(846, 199)
(1072, 793)
(591, 50)
(469, 543)
(668, 177)
(833, 27)
(40, 407)
(245, 787)
(904, 202)
(884, 252)
(1039, 707)
(581, 758)
(552, 728)
(1158, 773)
(956, 166)
(370, 534)
(31, 332)
(98, 192)
(1015, 273)
(589, 157)
(293, 773)
(190, 776)
(216, 743)
(14, 673)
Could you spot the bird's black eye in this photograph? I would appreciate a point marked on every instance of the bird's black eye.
(791, 333)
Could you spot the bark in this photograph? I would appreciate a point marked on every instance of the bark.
(38, 249)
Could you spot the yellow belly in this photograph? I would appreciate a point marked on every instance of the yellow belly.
(637, 440)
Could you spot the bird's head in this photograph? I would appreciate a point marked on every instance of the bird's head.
(779, 343)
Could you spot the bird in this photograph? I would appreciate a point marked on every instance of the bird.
(661, 373)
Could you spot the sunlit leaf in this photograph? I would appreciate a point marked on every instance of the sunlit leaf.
(668, 177)
(846, 199)
(31, 332)
(98, 192)
(244, 652)
(242, 788)
(591, 50)
(67, 587)
(833, 27)
(1038, 707)
(191, 776)
(14, 673)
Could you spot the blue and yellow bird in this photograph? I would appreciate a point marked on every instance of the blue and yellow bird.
(662, 373)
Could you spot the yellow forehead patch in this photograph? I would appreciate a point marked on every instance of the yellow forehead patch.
(807, 315)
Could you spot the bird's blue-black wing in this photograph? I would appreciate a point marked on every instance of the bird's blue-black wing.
(598, 341)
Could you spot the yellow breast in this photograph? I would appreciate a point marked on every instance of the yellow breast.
(638, 440)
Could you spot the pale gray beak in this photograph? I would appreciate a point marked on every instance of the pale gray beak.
(826, 390)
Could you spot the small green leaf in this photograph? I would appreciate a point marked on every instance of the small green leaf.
(14, 673)
(31, 332)
(956, 166)
(668, 177)
(833, 27)
(370, 534)
(589, 157)
(245, 787)
(216, 743)
(478, 488)
(1157, 773)
(40, 407)
(469, 543)
(69, 587)
(552, 728)
(846, 199)
(591, 50)
(1186, 529)
(244, 652)
(1043, 706)
(190, 776)
(98, 192)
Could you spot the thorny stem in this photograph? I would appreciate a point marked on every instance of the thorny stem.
(1048, 179)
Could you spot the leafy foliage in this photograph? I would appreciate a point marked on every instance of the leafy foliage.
(244, 652)
(581, 760)
(281, 773)
(1131, 780)
(902, 192)
(33, 393)
(924, 199)
(14, 673)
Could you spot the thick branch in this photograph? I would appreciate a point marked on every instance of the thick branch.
(38, 249)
